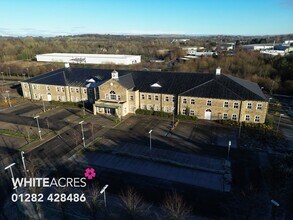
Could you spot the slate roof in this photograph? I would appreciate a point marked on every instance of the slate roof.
(127, 81)
(207, 85)
(212, 89)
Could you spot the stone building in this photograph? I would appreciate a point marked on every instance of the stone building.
(210, 96)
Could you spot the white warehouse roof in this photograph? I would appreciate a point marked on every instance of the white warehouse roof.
(120, 59)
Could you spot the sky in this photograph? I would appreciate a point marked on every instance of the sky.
(191, 17)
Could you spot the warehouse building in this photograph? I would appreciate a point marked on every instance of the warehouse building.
(89, 58)
(210, 96)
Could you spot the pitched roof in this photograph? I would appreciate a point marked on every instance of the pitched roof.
(212, 89)
(126, 81)
(207, 85)
(251, 86)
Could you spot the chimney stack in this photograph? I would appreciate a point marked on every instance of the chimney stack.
(67, 65)
(218, 71)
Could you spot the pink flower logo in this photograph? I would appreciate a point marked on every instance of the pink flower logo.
(89, 173)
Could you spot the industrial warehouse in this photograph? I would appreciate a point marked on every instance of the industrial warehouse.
(117, 59)
(210, 96)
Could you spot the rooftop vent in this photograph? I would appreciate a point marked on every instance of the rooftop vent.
(218, 71)
(66, 65)
(115, 74)
(156, 85)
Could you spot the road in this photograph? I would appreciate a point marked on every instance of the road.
(286, 123)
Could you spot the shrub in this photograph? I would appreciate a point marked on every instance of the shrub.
(164, 114)
(187, 117)
(143, 112)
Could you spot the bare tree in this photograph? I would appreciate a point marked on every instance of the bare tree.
(94, 202)
(47, 122)
(60, 204)
(133, 204)
(27, 134)
(32, 166)
(76, 137)
(175, 207)
(33, 171)
(92, 129)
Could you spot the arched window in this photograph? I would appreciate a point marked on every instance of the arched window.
(112, 95)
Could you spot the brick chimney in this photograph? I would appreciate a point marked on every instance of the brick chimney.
(218, 71)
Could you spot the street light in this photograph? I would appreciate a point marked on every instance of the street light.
(37, 118)
(150, 132)
(239, 133)
(281, 115)
(23, 162)
(83, 107)
(11, 171)
(274, 205)
(82, 133)
(44, 109)
(229, 146)
(28, 76)
(173, 117)
(2, 77)
(9, 102)
(104, 191)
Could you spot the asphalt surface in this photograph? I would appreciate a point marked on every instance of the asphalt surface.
(177, 174)
(53, 150)
(30, 121)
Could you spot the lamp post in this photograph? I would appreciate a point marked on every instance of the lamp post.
(239, 133)
(83, 109)
(82, 133)
(150, 132)
(44, 109)
(28, 76)
(229, 146)
(281, 115)
(8, 98)
(104, 191)
(23, 162)
(274, 206)
(37, 119)
(2, 77)
(173, 117)
(11, 171)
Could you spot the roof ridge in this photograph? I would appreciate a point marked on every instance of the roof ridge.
(197, 86)
(242, 85)
(229, 89)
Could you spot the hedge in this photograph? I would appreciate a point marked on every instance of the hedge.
(163, 114)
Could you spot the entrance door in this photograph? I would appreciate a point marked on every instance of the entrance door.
(108, 111)
(49, 97)
(208, 114)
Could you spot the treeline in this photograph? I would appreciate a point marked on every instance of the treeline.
(26, 48)
(273, 73)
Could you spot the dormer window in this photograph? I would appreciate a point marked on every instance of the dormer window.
(91, 80)
(156, 85)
